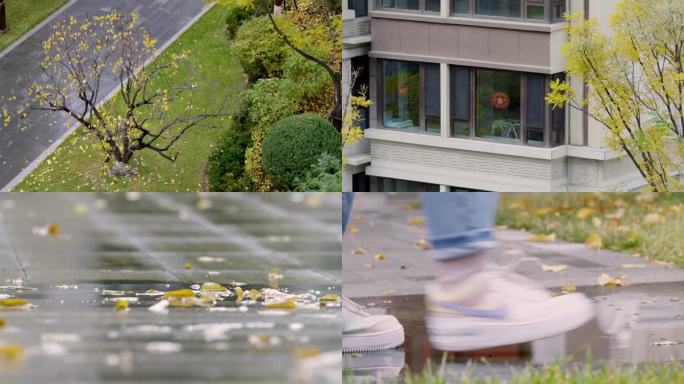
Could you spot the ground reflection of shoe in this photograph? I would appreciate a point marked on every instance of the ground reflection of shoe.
(366, 332)
(384, 364)
(323, 368)
(492, 309)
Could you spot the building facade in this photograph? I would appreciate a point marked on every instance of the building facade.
(458, 91)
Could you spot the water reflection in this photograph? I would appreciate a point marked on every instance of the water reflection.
(632, 325)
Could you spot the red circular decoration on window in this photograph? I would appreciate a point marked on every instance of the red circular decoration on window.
(500, 100)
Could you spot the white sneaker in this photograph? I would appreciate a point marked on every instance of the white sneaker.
(491, 309)
(366, 332)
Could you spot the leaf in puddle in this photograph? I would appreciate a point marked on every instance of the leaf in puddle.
(53, 229)
(121, 305)
(554, 268)
(239, 292)
(305, 352)
(290, 303)
(13, 302)
(182, 302)
(543, 238)
(358, 251)
(353, 228)
(584, 213)
(187, 266)
(179, 293)
(379, 256)
(605, 279)
(594, 241)
(632, 266)
(212, 287)
(654, 219)
(254, 294)
(416, 220)
(11, 353)
(329, 298)
(423, 244)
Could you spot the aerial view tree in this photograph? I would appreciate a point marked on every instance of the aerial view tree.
(635, 78)
(81, 57)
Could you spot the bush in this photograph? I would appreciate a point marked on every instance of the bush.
(259, 49)
(225, 169)
(236, 13)
(324, 176)
(270, 100)
(292, 145)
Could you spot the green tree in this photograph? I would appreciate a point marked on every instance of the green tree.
(635, 78)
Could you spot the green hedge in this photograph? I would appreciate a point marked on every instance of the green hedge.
(292, 145)
(225, 169)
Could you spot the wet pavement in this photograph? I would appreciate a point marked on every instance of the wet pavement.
(76, 257)
(636, 323)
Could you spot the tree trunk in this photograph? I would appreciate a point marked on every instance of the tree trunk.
(3, 19)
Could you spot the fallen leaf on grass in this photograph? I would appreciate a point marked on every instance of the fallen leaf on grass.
(541, 212)
(596, 221)
(654, 219)
(584, 213)
(594, 241)
(605, 279)
(423, 244)
(416, 220)
(358, 251)
(543, 238)
(379, 256)
(646, 197)
(616, 215)
(554, 268)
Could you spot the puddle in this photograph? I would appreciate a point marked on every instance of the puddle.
(634, 324)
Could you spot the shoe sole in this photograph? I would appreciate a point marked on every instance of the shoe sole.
(466, 334)
(373, 341)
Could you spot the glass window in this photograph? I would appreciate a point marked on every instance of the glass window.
(387, 3)
(460, 6)
(535, 9)
(432, 5)
(534, 109)
(431, 96)
(557, 9)
(383, 184)
(401, 94)
(497, 105)
(460, 101)
(501, 8)
(359, 6)
(407, 4)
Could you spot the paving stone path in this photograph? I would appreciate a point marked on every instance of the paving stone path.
(135, 242)
(19, 68)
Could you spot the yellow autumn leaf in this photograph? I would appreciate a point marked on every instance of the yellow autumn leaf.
(584, 213)
(353, 228)
(179, 293)
(416, 220)
(11, 352)
(13, 302)
(254, 294)
(358, 251)
(569, 288)
(239, 292)
(121, 306)
(331, 297)
(379, 256)
(605, 279)
(594, 241)
(187, 265)
(2, 322)
(518, 205)
(596, 221)
(543, 238)
(654, 219)
(423, 244)
(290, 303)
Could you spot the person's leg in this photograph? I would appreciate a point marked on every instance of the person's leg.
(461, 226)
(347, 202)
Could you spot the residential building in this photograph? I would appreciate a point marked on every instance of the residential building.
(458, 91)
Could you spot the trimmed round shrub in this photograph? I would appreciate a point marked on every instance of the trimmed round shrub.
(292, 145)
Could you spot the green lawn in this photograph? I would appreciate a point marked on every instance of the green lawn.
(652, 373)
(77, 164)
(22, 15)
(650, 225)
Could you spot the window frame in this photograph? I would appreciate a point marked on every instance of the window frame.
(421, 8)
(351, 5)
(547, 110)
(422, 126)
(548, 15)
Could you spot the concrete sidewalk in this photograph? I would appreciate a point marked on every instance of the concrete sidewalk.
(381, 224)
(20, 67)
(111, 246)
